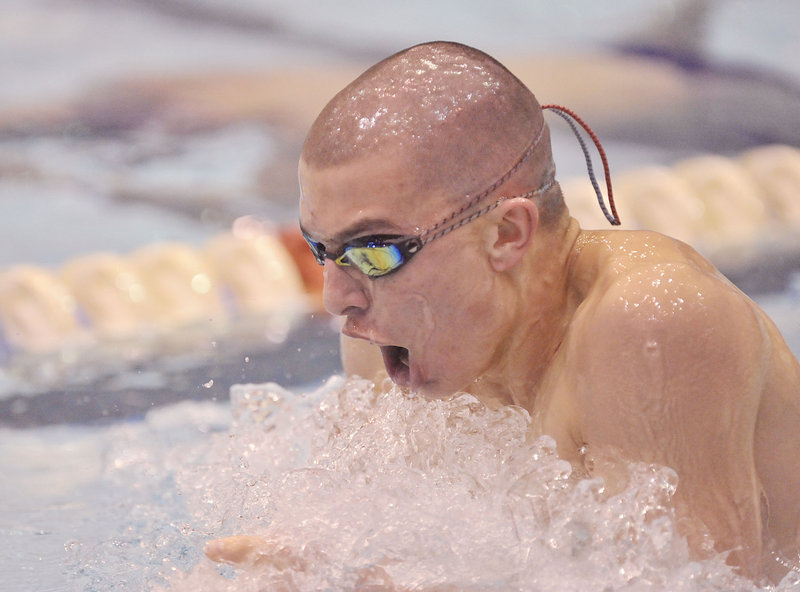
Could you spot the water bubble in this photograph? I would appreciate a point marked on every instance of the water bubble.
(72, 545)
(349, 483)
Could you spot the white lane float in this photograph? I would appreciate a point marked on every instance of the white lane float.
(716, 204)
(38, 313)
(776, 171)
(110, 293)
(256, 269)
(659, 200)
(181, 286)
(166, 295)
(734, 212)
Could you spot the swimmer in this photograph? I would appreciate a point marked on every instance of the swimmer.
(428, 194)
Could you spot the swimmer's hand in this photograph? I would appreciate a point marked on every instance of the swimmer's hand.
(247, 551)
(244, 552)
(235, 550)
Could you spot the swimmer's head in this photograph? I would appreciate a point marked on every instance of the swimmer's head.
(452, 116)
(420, 147)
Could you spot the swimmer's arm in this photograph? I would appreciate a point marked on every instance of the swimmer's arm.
(674, 375)
(361, 358)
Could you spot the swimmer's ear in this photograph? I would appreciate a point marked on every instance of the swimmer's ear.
(514, 225)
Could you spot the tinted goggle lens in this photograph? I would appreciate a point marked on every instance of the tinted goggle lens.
(373, 260)
(374, 257)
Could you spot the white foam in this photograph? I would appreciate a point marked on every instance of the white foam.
(352, 485)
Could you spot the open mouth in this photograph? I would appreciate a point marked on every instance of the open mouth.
(396, 361)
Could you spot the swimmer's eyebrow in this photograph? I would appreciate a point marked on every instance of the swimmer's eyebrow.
(366, 226)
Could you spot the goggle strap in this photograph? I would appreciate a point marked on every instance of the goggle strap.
(570, 117)
(472, 201)
(483, 211)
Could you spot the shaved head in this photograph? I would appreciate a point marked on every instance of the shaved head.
(453, 115)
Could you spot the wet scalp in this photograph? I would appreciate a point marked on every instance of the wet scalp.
(454, 115)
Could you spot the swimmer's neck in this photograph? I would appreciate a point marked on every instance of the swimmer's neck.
(542, 302)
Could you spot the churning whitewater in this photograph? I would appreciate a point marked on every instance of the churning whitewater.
(353, 486)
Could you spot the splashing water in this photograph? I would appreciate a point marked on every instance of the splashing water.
(353, 488)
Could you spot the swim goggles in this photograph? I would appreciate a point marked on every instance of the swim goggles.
(379, 255)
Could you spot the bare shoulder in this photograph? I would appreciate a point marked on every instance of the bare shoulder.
(662, 336)
(682, 369)
(645, 282)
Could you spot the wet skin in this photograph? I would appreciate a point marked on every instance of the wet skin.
(623, 346)
(664, 361)
(424, 311)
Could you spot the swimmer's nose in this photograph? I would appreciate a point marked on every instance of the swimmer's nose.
(343, 292)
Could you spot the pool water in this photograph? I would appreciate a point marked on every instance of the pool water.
(353, 484)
